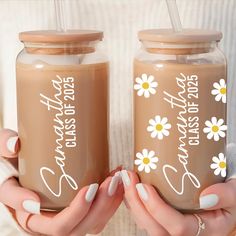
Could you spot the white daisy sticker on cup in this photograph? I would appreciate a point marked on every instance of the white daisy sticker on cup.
(146, 161)
(215, 129)
(159, 127)
(219, 91)
(219, 165)
(145, 85)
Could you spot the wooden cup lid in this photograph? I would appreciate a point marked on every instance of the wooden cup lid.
(185, 36)
(53, 36)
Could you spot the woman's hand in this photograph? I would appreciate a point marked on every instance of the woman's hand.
(89, 212)
(159, 219)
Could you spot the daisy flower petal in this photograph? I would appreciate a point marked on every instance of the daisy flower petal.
(155, 159)
(217, 171)
(137, 86)
(223, 173)
(153, 166)
(141, 167)
(214, 166)
(145, 152)
(150, 78)
(139, 155)
(146, 94)
(137, 162)
(216, 160)
(140, 92)
(147, 169)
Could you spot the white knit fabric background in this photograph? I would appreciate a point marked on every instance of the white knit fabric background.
(120, 20)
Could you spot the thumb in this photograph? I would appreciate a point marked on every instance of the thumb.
(18, 198)
(219, 196)
(9, 143)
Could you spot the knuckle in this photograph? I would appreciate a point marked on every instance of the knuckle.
(21, 220)
(98, 229)
(129, 200)
(221, 230)
(219, 233)
(179, 230)
(59, 230)
(152, 208)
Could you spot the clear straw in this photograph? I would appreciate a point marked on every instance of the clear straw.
(174, 15)
(176, 24)
(60, 15)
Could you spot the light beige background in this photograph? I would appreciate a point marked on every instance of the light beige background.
(120, 19)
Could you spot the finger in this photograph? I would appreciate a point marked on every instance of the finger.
(216, 222)
(109, 212)
(63, 222)
(170, 219)
(98, 212)
(22, 218)
(9, 143)
(116, 171)
(143, 218)
(18, 198)
(219, 196)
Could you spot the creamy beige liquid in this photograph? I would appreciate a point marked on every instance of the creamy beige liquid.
(63, 128)
(184, 157)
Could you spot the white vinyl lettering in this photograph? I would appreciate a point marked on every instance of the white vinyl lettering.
(188, 128)
(64, 128)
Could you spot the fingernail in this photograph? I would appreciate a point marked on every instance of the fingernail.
(11, 144)
(125, 178)
(142, 192)
(119, 175)
(113, 185)
(32, 206)
(208, 201)
(91, 193)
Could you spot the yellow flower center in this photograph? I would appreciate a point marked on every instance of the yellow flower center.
(215, 128)
(159, 127)
(223, 91)
(146, 160)
(145, 85)
(222, 165)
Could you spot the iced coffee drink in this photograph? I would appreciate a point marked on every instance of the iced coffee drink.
(180, 114)
(62, 97)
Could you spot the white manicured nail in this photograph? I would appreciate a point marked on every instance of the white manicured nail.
(11, 144)
(142, 192)
(113, 185)
(91, 193)
(119, 175)
(125, 178)
(208, 201)
(31, 206)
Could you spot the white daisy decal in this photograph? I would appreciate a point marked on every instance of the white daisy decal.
(145, 85)
(215, 128)
(219, 165)
(159, 127)
(146, 161)
(219, 91)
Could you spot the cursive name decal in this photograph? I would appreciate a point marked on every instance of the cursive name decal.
(64, 128)
(188, 128)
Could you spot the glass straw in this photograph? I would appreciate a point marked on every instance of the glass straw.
(60, 15)
(174, 15)
(176, 24)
